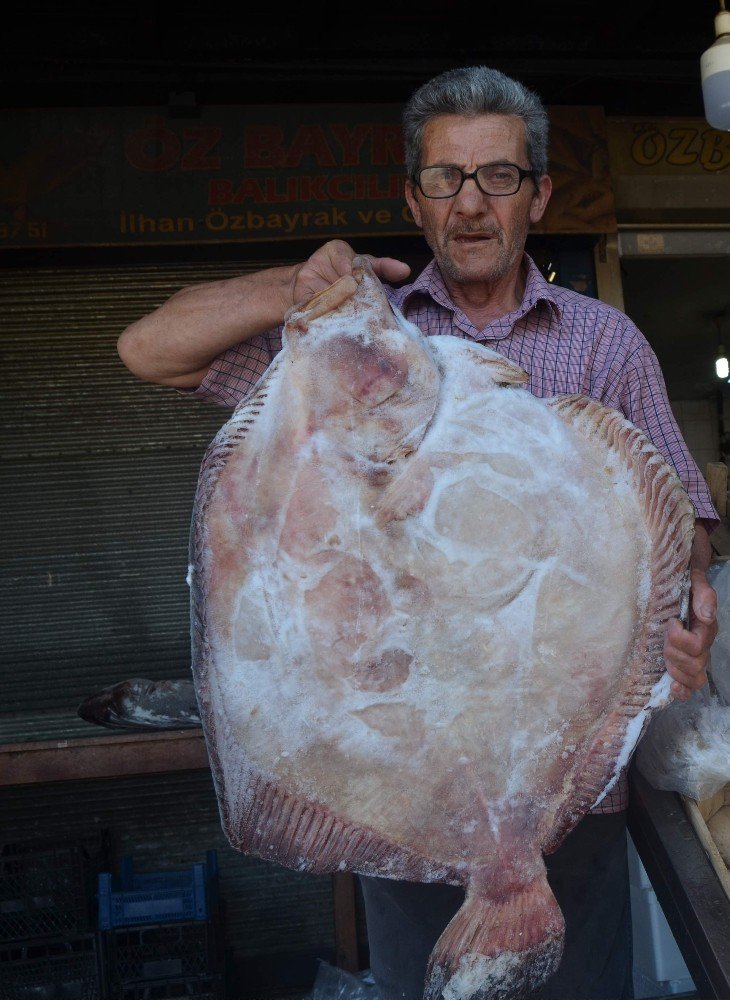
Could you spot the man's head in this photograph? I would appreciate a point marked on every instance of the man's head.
(471, 91)
(482, 139)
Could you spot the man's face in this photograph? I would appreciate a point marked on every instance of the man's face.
(473, 236)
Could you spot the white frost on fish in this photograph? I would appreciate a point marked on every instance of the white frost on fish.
(660, 698)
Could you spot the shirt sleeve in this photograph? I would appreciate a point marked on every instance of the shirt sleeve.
(643, 399)
(234, 373)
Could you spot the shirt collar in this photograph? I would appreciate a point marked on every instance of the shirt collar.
(537, 289)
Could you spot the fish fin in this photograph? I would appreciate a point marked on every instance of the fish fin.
(326, 301)
(506, 372)
(407, 494)
(498, 947)
(669, 518)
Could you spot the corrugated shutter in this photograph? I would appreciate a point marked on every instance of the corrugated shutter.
(99, 476)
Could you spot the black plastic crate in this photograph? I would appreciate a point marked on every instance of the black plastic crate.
(66, 968)
(135, 956)
(48, 887)
(195, 988)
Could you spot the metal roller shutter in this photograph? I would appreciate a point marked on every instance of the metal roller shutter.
(99, 477)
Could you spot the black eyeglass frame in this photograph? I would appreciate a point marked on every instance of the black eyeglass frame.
(473, 176)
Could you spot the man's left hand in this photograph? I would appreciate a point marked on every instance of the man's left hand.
(687, 650)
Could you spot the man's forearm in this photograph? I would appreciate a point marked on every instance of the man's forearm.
(175, 344)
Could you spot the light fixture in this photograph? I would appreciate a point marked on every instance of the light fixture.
(715, 73)
(722, 367)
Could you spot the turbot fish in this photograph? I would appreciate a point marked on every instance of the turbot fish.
(427, 613)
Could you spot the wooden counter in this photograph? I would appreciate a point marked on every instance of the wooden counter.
(109, 756)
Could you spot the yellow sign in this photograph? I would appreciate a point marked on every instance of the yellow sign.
(667, 146)
(669, 171)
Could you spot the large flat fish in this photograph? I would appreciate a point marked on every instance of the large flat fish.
(427, 620)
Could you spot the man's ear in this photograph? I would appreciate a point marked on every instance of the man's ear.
(412, 202)
(540, 198)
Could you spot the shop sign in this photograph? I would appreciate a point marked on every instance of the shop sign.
(142, 176)
(669, 171)
(667, 146)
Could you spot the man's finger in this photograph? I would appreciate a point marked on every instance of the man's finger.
(704, 604)
(681, 691)
(390, 269)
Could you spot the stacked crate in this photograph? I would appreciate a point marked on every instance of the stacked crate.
(162, 933)
(49, 947)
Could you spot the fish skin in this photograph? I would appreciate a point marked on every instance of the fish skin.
(142, 704)
(360, 524)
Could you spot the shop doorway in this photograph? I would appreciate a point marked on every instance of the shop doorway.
(681, 303)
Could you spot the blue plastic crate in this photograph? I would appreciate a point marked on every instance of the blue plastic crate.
(158, 897)
(130, 879)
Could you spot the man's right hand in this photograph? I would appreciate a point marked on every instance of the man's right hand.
(332, 261)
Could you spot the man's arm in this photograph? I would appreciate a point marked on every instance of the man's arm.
(687, 651)
(175, 344)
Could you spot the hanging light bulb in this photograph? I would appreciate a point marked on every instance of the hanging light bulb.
(715, 72)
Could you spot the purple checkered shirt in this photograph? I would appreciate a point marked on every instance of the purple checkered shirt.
(566, 342)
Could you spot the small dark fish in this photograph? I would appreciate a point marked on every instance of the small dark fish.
(139, 703)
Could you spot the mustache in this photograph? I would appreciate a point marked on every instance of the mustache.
(474, 229)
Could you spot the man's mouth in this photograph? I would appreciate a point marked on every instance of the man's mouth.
(477, 237)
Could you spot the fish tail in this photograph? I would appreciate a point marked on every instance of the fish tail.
(498, 947)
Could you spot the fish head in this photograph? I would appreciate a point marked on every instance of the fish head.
(366, 375)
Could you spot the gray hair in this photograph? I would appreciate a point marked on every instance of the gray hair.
(473, 91)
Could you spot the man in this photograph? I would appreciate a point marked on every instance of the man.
(476, 157)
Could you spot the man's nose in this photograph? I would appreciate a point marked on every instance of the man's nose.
(471, 198)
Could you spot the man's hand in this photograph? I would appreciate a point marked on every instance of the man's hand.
(332, 261)
(687, 650)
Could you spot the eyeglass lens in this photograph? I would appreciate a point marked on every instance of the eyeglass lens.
(492, 178)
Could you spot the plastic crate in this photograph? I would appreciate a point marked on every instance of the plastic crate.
(130, 879)
(160, 953)
(184, 901)
(64, 968)
(196, 988)
(46, 889)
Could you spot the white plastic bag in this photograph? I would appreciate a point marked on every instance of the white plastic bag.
(719, 576)
(686, 747)
(336, 984)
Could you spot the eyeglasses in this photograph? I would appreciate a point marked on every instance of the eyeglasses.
(496, 179)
